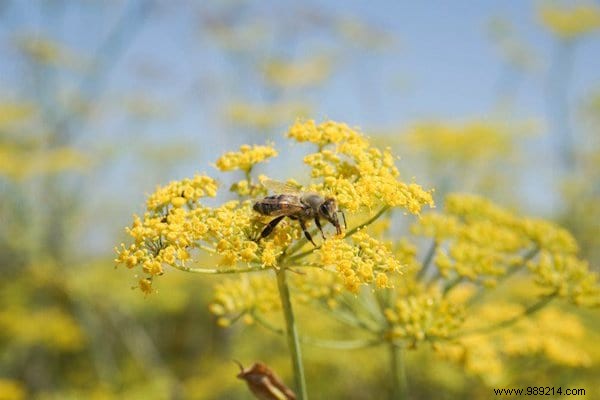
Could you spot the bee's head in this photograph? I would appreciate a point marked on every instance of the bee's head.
(328, 210)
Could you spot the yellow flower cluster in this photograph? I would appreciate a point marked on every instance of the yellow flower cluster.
(422, 316)
(477, 355)
(245, 158)
(481, 244)
(365, 260)
(12, 113)
(459, 143)
(265, 116)
(480, 241)
(318, 285)
(51, 52)
(406, 254)
(46, 162)
(299, 73)
(168, 229)
(552, 333)
(358, 175)
(246, 297)
(180, 193)
(570, 22)
(49, 327)
(560, 342)
(177, 228)
(12, 390)
(480, 355)
(548, 236)
(16, 148)
(226, 231)
(244, 188)
(567, 276)
(236, 298)
(437, 226)
(323, 134)
(360, 34)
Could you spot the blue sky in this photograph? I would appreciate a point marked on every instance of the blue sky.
(443, 66)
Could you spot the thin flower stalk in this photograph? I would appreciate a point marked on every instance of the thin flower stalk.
(292, 335)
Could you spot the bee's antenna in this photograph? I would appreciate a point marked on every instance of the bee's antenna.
(239, 365)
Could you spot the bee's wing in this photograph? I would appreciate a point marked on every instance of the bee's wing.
(283, 205)
(280, 187)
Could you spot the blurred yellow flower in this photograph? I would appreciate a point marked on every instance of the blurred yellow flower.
(423, 316)
(570, 21)
(460, 143)
(49, 51)
(145, 285)
(300, 73)
(12, 390)
(484, 242)
(560, 342)
(14, 112)
(358, 32)
(245, 158)
(265, 116)
(17, 161)
(50, 327)
(236, 297)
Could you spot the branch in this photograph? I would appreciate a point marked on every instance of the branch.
(367, 222)
(526, 258)
(427, 261)
(219, 270)
(324, 343)
(349, 317)
(511, 321)
(450, 285)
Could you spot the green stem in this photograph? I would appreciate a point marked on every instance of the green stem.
(248, 176)
(367, 222)
(397, 362)
(532, 309)
(215, 271)
(427, 260)
(451, 284)
(219, 270)
(323, 343)
(529, 255)
(349, 316)
(292, 335)
(398, 367)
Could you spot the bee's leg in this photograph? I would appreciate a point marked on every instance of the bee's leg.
(344, 217)
(303, 226)
(270, 226)
(318, 223)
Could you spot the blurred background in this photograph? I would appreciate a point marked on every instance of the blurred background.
(100, 101)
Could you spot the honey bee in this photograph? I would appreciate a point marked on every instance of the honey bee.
(297, 205)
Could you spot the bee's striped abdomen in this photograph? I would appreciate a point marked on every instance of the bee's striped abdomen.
(271, 204)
